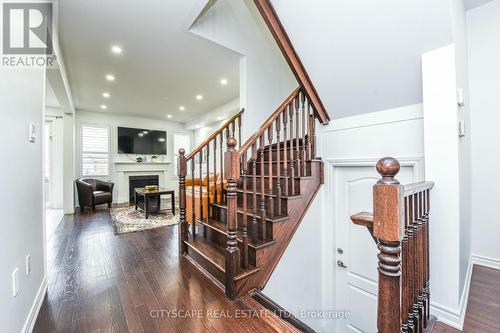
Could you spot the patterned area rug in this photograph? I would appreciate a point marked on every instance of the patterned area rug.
(127, 219)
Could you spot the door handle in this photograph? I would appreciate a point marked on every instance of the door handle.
(340, 263)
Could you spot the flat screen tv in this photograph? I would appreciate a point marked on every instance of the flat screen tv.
(141, 141)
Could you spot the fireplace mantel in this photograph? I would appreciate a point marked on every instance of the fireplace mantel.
(126, 169)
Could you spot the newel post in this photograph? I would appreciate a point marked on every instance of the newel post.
(388, 228)
(232, 171)
(183, 227)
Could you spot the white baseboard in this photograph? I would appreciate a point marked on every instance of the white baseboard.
(455, 317)
(35, 308)
(485, 261)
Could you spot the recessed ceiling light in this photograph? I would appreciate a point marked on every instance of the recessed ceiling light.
(223, 82)
(104, 106)
(110, 77)
(169, 116)
(182, 108)
(140, 135)
(145, 132)
(199, 97)
(116, 49)
(106, 95)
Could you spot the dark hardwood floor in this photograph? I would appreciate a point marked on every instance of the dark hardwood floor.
(99, 282)
(483, 309)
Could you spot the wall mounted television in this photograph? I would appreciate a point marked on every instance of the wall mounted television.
(141, 141)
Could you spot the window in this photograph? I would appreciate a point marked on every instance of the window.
(95, 150)
(181, 141)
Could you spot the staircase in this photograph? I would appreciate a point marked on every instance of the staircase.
(246, 212)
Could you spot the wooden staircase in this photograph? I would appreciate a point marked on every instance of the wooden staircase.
(269, 183)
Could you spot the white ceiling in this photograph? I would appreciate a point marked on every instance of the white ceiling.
(163, 65)
(470, 4)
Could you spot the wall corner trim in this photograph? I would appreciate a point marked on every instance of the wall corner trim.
(29, 324)
(456, 317)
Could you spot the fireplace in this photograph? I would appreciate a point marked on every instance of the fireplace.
(140, 181)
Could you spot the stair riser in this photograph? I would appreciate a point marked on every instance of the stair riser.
(221, 215)
(282, 154)
(296, 170)
(270, 204)
(296, 186)
(206, 264)
(220, 239)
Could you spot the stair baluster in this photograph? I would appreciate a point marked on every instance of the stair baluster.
(193, 218)
(270, 171)
(183, 226)
(291, 157)
(285, 152)
(262, 189)
(278, 163)
(254, 230)
(216, 199)
(207, 160)
(298, 164)
(303, 126)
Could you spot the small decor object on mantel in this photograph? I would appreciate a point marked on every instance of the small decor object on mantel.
(139, 159)
(154, 158)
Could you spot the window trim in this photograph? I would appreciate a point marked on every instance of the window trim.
(175, 154)
(80, 153)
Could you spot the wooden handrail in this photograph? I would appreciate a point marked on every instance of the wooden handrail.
(280, 36)
(411, 189)
(268, 122)
(214, 134)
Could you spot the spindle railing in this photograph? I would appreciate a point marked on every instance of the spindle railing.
(287, 140)
(210, 152)
(400, 226)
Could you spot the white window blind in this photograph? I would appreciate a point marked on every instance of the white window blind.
(95, 150)
(181, 141)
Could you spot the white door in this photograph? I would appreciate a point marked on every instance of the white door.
(356, 255)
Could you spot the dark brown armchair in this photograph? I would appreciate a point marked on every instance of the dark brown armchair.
(92, 192)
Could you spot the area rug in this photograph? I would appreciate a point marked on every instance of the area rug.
(127, 219)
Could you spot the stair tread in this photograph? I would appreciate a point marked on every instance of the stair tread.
(222, 227)
(275, 176)
(215, 254)
(240, 211)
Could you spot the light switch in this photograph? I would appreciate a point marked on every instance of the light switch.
(15, 282)
(461, 128)
(460, 97)
(32, 132)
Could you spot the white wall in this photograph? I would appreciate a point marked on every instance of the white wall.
(457, 8)
(21, 199)
(69, 171)
(443, 151)
(115, 121)
(310, 257)
(483, 29)
(265, 78)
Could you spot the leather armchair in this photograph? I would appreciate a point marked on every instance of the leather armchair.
(92, 192)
